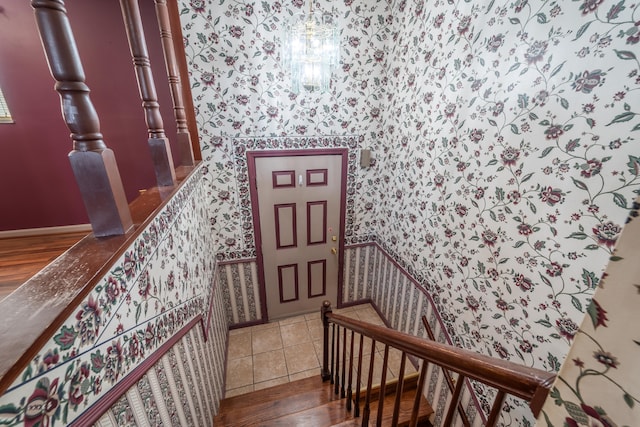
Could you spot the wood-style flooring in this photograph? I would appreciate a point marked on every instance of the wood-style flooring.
(311, 402)
(22, 257)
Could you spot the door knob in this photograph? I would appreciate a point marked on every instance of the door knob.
(334, 251)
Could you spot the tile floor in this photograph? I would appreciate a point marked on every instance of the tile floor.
(291, 349)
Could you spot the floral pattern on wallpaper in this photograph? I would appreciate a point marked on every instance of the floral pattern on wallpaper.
(598, 381)
(240, 90)
(512, 163)
(504, 134)
(156, 287)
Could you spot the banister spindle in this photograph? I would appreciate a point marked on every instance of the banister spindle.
(400, 386)
(359, 377)
(496, 409)
(158, 142)
(367, 400)
(93, 163)
(463, 416)
(383, 385)
(455, 398)
(175, 84)
(337, 371)
(349, 389)
(333, 348)
(326, 309)
(416, 403)
(344, 361)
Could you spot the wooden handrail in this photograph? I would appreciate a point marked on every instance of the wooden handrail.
(26, 326)
(524, 382)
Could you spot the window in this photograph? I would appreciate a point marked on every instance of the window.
(5, 115)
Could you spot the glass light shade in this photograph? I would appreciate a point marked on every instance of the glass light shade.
(311, 51)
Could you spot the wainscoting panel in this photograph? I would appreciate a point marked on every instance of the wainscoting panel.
(358, 269)
(183, 388)
(239, 283)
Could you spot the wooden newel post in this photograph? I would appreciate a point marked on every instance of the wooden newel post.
(184, 139)
(158, 142)
(326, 309)
(92, 162)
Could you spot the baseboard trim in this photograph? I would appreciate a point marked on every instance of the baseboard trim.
(28, 232)
(247, 324)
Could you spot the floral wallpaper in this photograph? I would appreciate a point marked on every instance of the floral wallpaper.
(511, 164)
(504, 138)
(242, 145)
(598, 382)
(158, 285)
(238, 268)
(241, 91)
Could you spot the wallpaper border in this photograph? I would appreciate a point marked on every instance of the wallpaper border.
(97, 409)
(243, 144)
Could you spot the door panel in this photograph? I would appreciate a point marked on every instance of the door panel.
(285, 223)
(317, 222)
(317, 278)
(288, 282)
(298, 199)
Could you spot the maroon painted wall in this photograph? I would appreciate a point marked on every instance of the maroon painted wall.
(37, 186)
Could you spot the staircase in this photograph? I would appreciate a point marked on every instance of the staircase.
(312, 402)
(335, 398)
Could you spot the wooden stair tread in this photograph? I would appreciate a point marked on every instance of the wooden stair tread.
(277, 392)
(410, 382)
(353, 422)
(327, 414)
(311, 402)
(406, 407)
(263, 405)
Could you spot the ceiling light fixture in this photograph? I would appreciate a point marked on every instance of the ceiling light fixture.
(311, 50)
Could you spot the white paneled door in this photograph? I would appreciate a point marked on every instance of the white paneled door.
(299, 200)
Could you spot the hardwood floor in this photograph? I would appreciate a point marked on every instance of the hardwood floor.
(22, 257)
(311, 402)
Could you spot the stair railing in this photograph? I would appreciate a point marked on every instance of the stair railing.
(448, 378)
(508, 378)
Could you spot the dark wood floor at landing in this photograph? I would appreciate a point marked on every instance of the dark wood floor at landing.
(22, 257)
